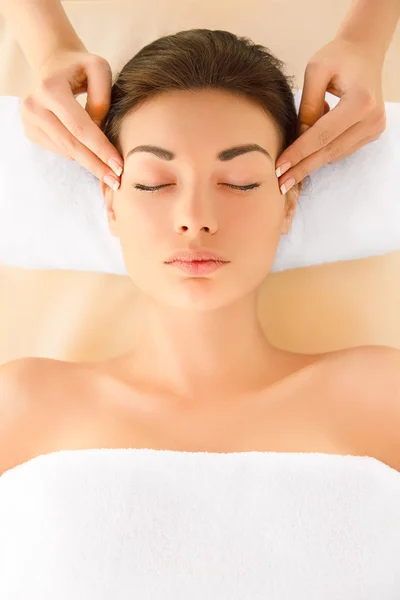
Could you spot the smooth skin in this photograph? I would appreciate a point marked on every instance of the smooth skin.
(350, 67)
(375, 376)
(201, 375)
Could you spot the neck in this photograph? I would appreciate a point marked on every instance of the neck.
(203, 354)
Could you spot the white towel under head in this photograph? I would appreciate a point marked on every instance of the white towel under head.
(53, 215)
(118, 524)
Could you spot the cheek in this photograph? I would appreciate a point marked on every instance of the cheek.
(260, 223)
(144, 238)
(136, 221)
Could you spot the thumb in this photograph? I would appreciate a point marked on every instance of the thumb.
(313, 105)
(99, 81)
(303, 127)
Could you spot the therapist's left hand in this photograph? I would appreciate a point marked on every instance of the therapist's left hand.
(353, 72)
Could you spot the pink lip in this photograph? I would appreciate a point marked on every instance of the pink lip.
(198, 267)
(198, 254)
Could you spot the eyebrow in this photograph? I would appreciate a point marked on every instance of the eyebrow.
(224, 155)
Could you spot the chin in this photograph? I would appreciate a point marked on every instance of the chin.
(201, 295)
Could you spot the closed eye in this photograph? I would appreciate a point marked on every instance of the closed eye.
(244, 188)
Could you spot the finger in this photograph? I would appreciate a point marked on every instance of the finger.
(330, 153)
(99, 82)
(68, 144)
(76, 120)
(316, 80)
(302, 128)
(345, 115)
(39, 137)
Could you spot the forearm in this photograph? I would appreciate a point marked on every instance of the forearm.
(41, 27)
(372, 22)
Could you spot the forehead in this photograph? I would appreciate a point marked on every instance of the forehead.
(210, 120)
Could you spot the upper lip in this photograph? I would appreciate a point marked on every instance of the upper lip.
(196, 255)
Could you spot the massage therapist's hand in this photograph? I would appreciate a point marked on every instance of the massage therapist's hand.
(54, 119)
(352, 72)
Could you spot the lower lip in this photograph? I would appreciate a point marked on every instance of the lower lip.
(198, 267)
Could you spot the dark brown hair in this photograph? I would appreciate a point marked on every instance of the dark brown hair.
(200, 59)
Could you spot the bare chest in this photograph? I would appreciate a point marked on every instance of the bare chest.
(300, 417)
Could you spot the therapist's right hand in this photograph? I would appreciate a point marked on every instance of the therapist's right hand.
(53, 118)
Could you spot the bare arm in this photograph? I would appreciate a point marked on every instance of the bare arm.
(371, 21)
(40, 27)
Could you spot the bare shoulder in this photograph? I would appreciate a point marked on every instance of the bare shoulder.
(366, 384)
(364, 364)
(32, 396)
(29, 378)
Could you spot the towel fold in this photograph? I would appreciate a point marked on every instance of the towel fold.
(117, 524)
(53, 215)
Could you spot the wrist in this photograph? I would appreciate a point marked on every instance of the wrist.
(41, 28)
(371, 25)
(376, 46)
(62, 46)
(374, 52)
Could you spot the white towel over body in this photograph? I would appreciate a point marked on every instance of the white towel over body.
(124, 524)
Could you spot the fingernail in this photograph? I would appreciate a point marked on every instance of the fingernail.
(116, 167)
(113, 183)
(285, 187)
(282, 168)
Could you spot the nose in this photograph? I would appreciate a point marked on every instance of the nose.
(195, 214)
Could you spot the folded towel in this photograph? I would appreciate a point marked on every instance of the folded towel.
(53, 214)
(117, 524)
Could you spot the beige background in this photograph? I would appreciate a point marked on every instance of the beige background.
(87, 316)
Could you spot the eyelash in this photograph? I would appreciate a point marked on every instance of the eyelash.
(152, 189)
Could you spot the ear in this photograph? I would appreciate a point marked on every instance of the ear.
(108, 195)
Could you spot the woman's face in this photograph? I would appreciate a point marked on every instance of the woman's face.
(197, 208)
